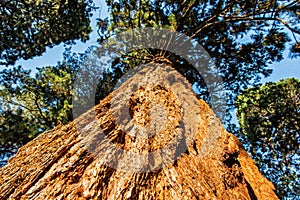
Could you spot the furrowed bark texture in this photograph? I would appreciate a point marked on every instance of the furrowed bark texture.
(93, 156)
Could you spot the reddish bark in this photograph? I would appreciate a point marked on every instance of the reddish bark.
(66, 162)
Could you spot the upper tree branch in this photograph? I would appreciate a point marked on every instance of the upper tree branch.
(236, 19)
(286, 24)
(259, 15)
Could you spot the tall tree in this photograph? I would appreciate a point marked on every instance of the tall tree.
(217, 25)
(28, 27)
(242, 37)
(269, 116)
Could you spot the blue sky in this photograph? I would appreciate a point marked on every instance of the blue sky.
(287, 68)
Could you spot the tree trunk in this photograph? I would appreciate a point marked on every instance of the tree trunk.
(152, 154)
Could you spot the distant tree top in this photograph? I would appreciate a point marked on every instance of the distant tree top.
(28, 27)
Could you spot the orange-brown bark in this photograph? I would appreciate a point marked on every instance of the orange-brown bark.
(66, 162)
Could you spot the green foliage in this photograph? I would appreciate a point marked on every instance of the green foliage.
(269, 116)
(28, 27)
(31, 105)
(219, 26)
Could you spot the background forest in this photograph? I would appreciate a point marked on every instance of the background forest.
(243, 38)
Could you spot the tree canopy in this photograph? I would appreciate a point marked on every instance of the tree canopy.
(269, 116)
(242, 37)
(28, 27)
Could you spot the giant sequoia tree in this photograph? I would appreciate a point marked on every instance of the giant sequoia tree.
(269, 116)
(219, 26)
